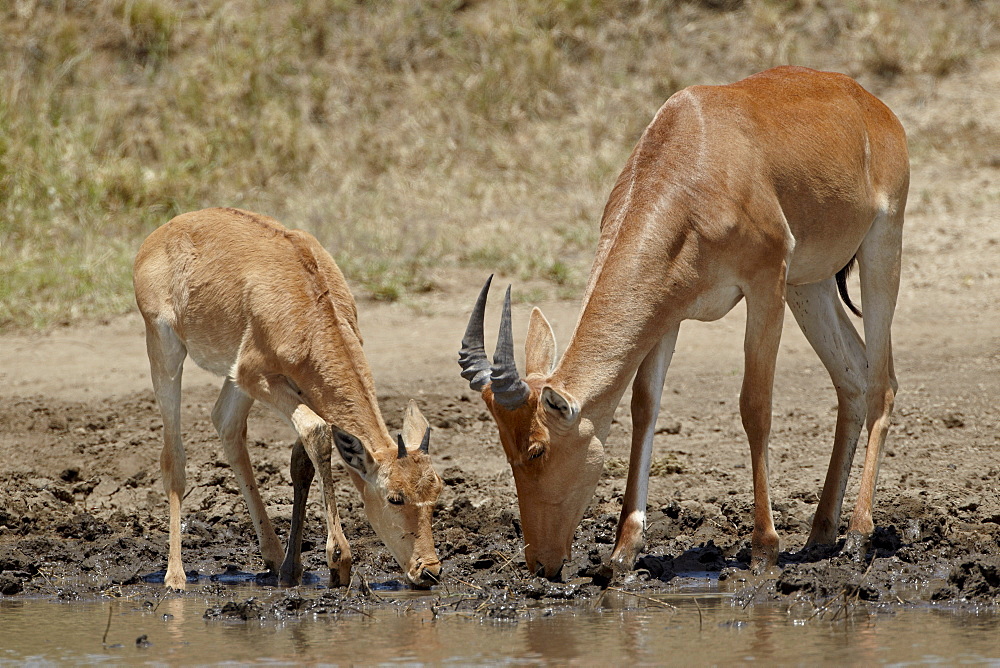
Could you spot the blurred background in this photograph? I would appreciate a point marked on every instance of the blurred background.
(412, 138)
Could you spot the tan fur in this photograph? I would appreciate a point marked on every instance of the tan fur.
(267, 308)
(762, 189)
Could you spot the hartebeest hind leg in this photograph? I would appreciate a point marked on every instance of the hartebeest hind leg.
(166, 363)
(230, 419)
(828, 328)
(879, 266)
(765, 313)
(647, 388)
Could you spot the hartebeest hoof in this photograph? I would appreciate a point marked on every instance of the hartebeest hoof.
(340, 573)
(290, 577)
(764, 548)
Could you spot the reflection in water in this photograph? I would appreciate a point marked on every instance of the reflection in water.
(625, 629)
(552, 639)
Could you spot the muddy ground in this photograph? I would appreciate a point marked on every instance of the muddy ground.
(82, 511)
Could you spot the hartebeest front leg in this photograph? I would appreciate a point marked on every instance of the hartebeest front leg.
(302, 473)
(317, 441)
(646, 392)
(230, 419)
(765, 312)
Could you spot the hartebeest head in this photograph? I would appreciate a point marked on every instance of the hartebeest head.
(400, 490)
(554, 454)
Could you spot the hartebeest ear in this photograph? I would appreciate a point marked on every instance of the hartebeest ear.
(354, 453)
(563, 407)
(540, 346)
(414, 426)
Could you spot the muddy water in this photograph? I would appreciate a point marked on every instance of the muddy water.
(691, 627)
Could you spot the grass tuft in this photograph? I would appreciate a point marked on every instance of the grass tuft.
(408, 137)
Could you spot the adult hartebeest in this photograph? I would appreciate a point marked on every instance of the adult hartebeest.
(268, 309)
(766, 189)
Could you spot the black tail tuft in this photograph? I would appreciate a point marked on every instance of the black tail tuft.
(842, 286)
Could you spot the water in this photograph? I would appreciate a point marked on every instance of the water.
(625, 630)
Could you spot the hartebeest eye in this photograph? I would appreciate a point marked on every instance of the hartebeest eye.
(396, 499)
(535, 451)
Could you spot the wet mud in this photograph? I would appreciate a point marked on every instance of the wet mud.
(83, 514)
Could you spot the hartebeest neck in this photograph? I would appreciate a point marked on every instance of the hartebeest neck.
(654, 264)
(332, 372)
(630, 305)
(339, 386)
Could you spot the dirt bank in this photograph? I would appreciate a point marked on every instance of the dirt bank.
(82, 509)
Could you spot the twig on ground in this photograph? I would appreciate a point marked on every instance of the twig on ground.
(467, 584)
(600, 599)
(509, 559)
(104, 638)
(366, 614)
(820, 611)
(644, 598)
(754, 594)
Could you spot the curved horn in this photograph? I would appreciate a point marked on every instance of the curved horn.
(508, 388)
(426, 441)
(402, 446)
(472, 357)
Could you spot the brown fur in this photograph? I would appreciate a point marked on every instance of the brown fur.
(762, 190)
(267, 308)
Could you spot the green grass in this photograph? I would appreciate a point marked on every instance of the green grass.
(409, 137)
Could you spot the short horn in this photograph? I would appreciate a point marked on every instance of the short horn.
(425, 443)
(508, 388)
(402, 446)
(472, 357)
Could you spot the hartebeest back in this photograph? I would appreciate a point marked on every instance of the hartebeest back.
(268, 309)
(766, 189)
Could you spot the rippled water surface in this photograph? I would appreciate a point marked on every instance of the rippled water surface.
(700, 628)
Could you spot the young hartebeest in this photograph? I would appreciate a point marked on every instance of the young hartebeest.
(268, 309)
(766, 189)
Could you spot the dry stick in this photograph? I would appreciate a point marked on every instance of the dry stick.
(510, 559)
(460, 601)
(700, 620)
(104, 638)
(645, 598)
(820, 611)
(857, 592)
(45, 575)
(600, 599)
(843, 606)
(467, 584)
(366, 614)
(754, 595)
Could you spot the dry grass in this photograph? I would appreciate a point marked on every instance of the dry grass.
(407, 136)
